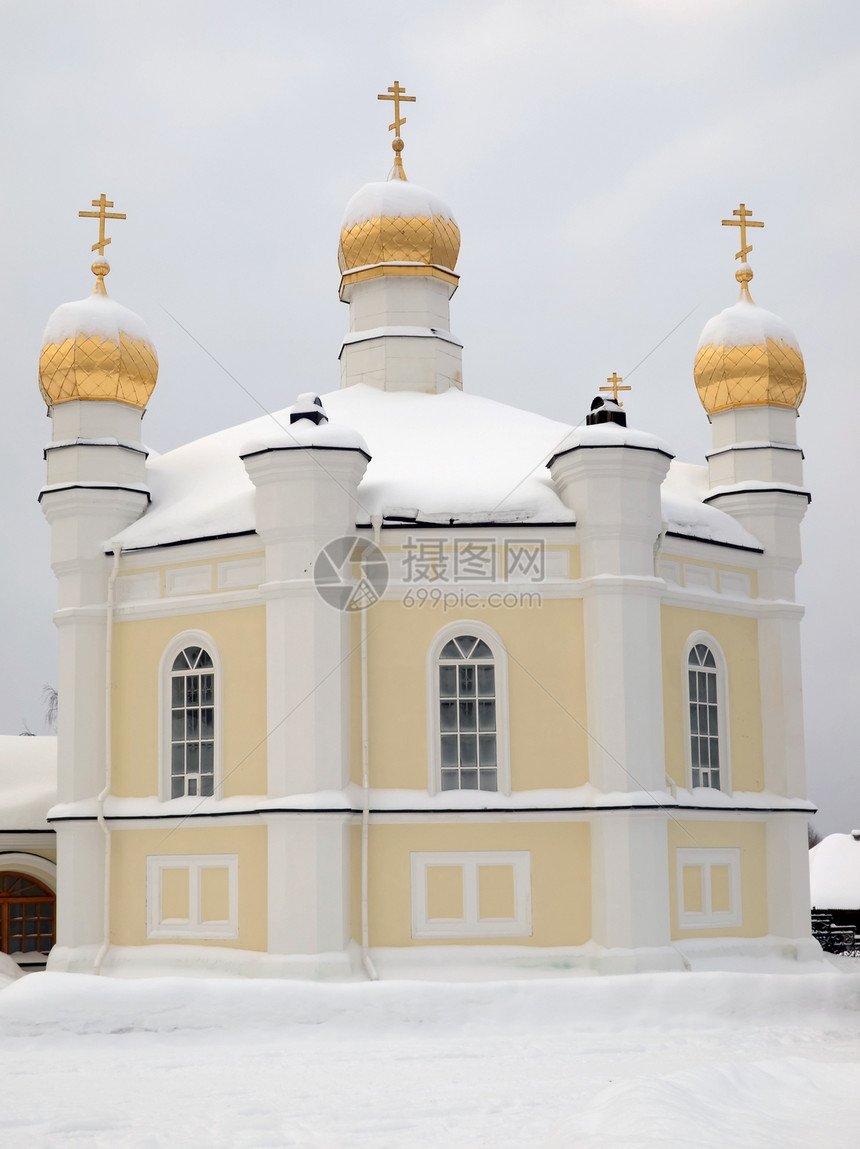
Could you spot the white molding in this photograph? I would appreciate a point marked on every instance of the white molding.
(500, 659)
(192, 926)
(471, 925)
(178, 643)
(707, 918)
(239, 573)
(188, 580)
(41, 868)
(723, 717)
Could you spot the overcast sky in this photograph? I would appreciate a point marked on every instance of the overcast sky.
(589, 151)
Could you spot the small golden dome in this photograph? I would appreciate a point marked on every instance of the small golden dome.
(397, 222)
(748, 357)
(97, 349)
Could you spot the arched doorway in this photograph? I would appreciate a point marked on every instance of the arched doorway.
(27, 917)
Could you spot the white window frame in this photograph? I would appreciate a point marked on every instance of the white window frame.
(165, 674)
(723, 725)
(434, 734)
(192, 926)
(471, 925)
(707, 918)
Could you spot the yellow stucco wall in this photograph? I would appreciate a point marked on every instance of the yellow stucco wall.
(738, 639)
(138, 646)
(751, 839)
(560, 877)
(544, 641)
(130, 849)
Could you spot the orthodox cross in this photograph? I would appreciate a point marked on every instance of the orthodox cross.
(397, 94)
(101, 215)
(743, 222)
(615, 379)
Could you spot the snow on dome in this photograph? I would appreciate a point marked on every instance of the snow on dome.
(28, 781)
(396, 198)
(96, 315)
(397, 222)
(744, 324)
(439, 458)
(834, 873)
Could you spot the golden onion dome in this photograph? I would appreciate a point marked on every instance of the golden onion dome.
(748, 357)
(396, 222)
(97, 349)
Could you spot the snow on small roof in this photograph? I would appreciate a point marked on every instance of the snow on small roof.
(28, 781)
(834, 873)
(393, 198)
(96, 315)
(451, 455)
(611, 435)
(744, 324)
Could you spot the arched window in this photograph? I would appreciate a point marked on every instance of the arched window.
(704, 700)
(26, 914)
(467, 715)
(192, 724)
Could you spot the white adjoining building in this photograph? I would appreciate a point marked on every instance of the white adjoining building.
(543, 704)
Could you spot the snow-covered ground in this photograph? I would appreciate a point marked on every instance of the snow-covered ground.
(654, 1060)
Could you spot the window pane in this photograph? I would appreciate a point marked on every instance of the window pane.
(192, 757)
(178, 691)
(715, 752)
(449, 750)
(204, 660)
(708, 658)
(192, 787)
(468, 779)
(486, 716)
(192, 653)
(486, 681)
(177, 726)
(177, 786)
(488, 780)
(712, 688)
(466, 642)
(450, 650)
(207, 723)
(192, 690)
(207, 689)
(467, 716)
(696, 781)
(694, 718)
(482, 650)
(177, 759)
(468, 750)
(207, 757)
(467, 680)
(192, 725)
(206, 786)
(691, 683)
(447, 681)
(450, 779)
(487, 748)
(448, 715)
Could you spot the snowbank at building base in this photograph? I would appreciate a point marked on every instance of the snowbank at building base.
(450, 963)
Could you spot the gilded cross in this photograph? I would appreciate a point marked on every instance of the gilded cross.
(615, 379)
(743, 222)
(397, 94)
(101, 215)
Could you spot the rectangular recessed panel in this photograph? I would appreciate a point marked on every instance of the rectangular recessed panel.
(444, 892)
(692, 892)
(214, 894)
(721, 895)
(496, 892)
(174, 894)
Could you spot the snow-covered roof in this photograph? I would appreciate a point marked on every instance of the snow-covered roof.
(393, 199)
(95, 315)
(28, 781)
(834, 873)
(434, 457)
(744, 324)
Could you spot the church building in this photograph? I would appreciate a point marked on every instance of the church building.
(403, 675)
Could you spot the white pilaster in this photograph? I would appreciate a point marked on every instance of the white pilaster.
(308, 897)
(305, 498)
(630, 879)
(788, 875)
(615, 492)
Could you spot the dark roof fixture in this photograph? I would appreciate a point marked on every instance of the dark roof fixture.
(308, 406)
(605, 411)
